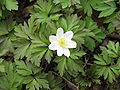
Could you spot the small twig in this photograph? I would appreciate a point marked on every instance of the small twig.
(89, 64)
(70, 84)
(85, 62)
(114, 36)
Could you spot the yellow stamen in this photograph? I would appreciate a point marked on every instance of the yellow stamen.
(63, 42)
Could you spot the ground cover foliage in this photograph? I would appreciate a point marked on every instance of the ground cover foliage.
(26, 62)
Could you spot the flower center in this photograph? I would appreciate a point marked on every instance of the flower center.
(63, 42)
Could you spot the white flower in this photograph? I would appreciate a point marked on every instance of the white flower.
(61, 42)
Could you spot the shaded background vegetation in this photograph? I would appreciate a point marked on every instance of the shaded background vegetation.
(98, 26)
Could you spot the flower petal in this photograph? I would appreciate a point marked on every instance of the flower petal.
(68, 35)
(53, 46)
(59, 51)
(66, 52)
(71, 44)
(59, 32)
(52, 38)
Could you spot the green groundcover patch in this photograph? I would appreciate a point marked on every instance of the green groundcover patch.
(59, 44)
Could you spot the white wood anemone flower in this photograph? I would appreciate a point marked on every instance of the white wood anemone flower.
(62, 42)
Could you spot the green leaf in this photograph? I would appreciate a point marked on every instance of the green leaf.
(64, 65)
(3, 52)
(103, 59)
(77, 54)
(111, 28)
(6, 26)
(100, 62)
(113, 49)
(56, 83)
(10, 80)
(48, 55)
(63, 23)
(115, 20)
(25, 34)
(0, 12)
(37, 81)
(86, 4)
(2, 66)
(7, 44)
(11, 4)
(107, 8)
(27, 30)
(92, 26)
(76, 66)
(38, 54)
(90, 43)
(23, 68)
(61, 65)
(32, 75)
(43, 83)
(105, 63)
(55, 17)
(90, 76)
(107, 12)
(45, 11)
(94, 33)
(24, 50)
(66, 3)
